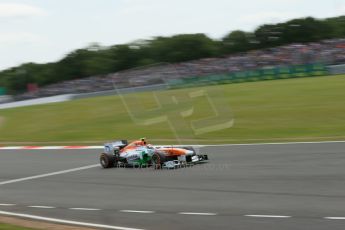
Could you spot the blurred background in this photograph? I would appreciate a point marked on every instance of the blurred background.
(58, 47)
(83, 49)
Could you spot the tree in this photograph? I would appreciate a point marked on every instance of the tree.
(95, 59)
(297, 30)
(183, 47)
(238, 41)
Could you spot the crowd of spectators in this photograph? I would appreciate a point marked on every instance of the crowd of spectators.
(328, 52)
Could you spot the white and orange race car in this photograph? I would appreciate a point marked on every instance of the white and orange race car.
(140, 153)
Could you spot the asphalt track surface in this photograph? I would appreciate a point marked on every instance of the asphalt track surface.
(285, 186)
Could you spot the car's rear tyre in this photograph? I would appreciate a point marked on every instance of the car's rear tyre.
(158, 159)
(107, 161)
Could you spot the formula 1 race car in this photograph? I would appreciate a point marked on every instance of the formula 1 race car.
(139, 153)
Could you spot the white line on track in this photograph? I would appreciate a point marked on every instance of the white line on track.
(61, 221)
(50, 147)
(48, 174)
(38, 206)
(137, 211)
(205, 145)
(7, 204)
(198, 213)
(335, 218)
(11, 147)
(277, 143)
(96, 147)
(267, 216)
(86, 209)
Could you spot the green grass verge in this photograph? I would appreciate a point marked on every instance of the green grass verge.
(12, 227)
(303, 109)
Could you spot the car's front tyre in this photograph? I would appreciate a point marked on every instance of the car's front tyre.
(157, 159)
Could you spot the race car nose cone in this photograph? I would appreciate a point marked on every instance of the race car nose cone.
(189, 152)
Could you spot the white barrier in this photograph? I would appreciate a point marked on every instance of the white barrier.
(336, 69)
(38, 101)
(138, 89)
(5, 99)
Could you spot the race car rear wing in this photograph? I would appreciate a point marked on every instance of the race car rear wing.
(110, 147)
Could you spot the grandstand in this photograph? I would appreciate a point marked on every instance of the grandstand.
(327, 52)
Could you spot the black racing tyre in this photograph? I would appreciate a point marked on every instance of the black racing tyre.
(189, 157)
(158, 158)
(107, 161)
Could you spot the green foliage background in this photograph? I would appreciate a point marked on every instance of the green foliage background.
(97, 60)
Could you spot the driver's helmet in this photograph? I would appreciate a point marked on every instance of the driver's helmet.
(143, 141)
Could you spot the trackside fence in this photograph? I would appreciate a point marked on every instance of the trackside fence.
(294, 71)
